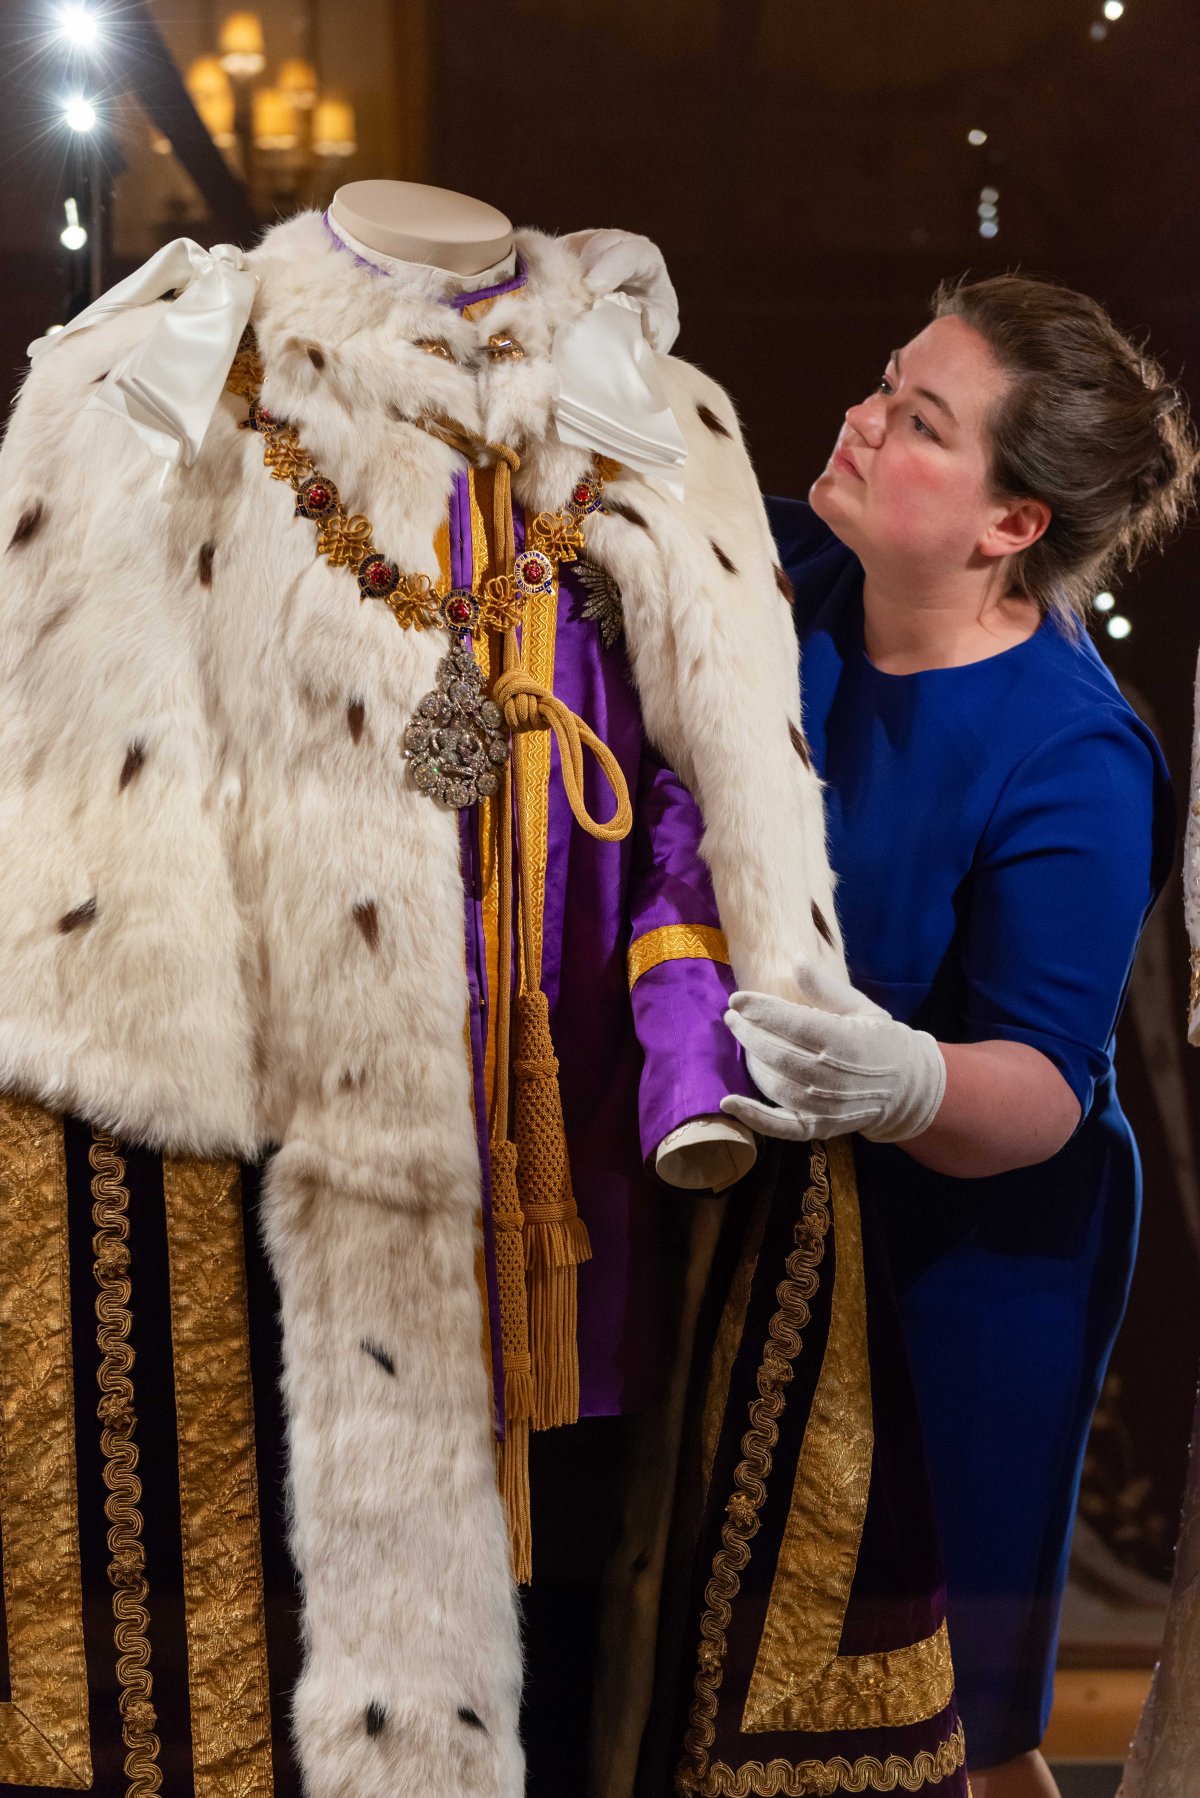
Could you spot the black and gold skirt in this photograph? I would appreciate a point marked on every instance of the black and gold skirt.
(150, 1632)
(803, 1646)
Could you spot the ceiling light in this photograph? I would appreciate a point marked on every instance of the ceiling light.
(73, 237)
(1097, 32)
(989, 194)
(1118, 626)
(1113, 9)
(79, 26)
(241, 44)
(988, 227)
(987, 210)
(1104, 602)
(79, 113)
(977, 137)
(334, 129)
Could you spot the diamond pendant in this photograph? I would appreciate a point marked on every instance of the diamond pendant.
(456, 741)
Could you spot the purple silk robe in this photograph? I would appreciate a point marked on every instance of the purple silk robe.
(633, 1065)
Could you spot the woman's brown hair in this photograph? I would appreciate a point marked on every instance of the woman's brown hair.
(1089, 425)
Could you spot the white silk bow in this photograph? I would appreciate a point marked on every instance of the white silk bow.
(168, 385)
(610, 397)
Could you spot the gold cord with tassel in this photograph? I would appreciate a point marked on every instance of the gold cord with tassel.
(540, 1237)
(513, 1452)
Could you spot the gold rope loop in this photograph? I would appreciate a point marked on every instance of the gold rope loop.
(477, 450)
(528, 705)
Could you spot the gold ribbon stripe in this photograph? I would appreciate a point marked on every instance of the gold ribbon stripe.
(675, 942)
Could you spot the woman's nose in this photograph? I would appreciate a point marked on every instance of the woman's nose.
(866, 419)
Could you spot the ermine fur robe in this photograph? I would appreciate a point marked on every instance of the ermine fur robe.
(190, 838)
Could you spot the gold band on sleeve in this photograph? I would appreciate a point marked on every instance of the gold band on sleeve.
(675, 942)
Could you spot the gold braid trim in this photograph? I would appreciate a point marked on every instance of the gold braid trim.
(778, 1778)
(675, 942)
(127, 1569)
(782, 1779)
(1194, 983)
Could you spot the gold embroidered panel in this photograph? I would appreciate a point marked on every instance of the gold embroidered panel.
(103, 1236)
(218, 1482)
(800, 1684)
(44, 1726)
(799, 1680)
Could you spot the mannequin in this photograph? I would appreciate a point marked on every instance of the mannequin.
(409, 222)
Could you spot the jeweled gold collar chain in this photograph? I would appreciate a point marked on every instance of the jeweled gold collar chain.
(457, 740)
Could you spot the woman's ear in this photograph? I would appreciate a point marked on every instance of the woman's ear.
(1020, 524)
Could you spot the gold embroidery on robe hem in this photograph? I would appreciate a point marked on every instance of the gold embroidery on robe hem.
(795, 1293)
(218, 1482)
(825, 1519)
(118, 1421)
(675, 942)
(810, 1779)
(44, 1739)
(800, 1682)
(868, 1691)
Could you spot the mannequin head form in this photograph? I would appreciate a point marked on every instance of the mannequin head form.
(415, 223)
(1019, 438)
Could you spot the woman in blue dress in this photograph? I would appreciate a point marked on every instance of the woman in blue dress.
(1000, 823)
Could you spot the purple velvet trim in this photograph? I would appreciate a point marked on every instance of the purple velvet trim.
(459, 300)
(461, 550)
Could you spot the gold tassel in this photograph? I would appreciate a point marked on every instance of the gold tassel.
(512, 1477)
(510, 1280)
(512, 1455)
(556, 1238)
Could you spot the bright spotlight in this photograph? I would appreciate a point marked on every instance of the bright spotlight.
(1113, 9)
(977, 137)
(1104, 602)
(80, 114)
(1119, 627)
(79, 26)
(73, 237)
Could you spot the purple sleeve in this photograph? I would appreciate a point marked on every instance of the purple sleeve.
(691, 1060)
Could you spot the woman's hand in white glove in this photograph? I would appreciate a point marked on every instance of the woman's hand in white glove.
(622, 262)
(835, 1063)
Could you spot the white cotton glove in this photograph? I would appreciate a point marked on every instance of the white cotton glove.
(622, 262)
(835, 1063)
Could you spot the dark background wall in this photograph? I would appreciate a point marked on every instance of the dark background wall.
(807, 171)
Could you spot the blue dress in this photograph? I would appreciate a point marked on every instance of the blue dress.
(999, 833)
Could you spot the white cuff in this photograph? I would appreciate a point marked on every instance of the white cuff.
(706, 1154)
